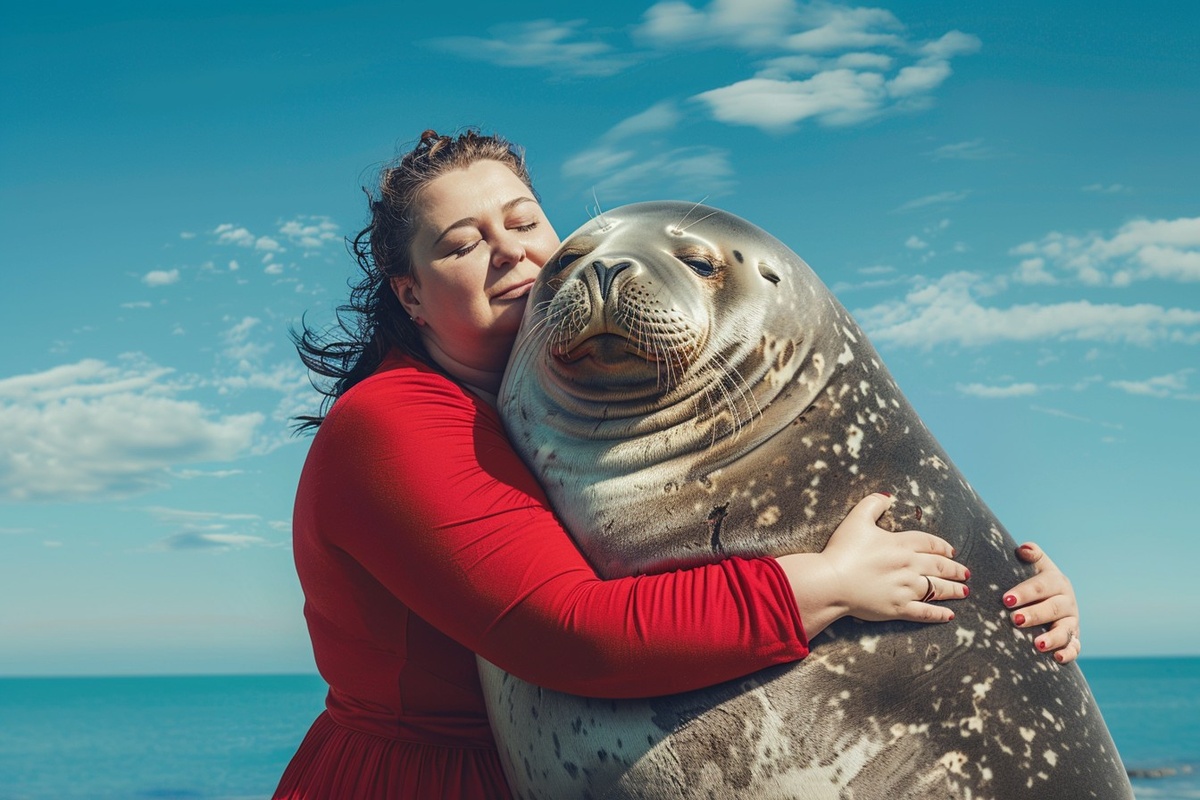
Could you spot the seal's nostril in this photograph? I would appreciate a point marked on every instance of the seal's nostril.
(606, 273)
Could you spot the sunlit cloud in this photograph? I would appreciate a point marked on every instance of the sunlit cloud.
(211, 540)
(161, 277)
(973, 150)
(941, 198)
(832, 64)
(629, 162)
(1173, 385)
(950, 311)
(562, 47)
(997, 392)
(230, 234)
(93, 431)
(828, 66)
(1140, 250)
(310, 232)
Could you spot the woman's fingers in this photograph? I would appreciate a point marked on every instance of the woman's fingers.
(1044, 613)
(1062, 640)
(947, 590)
(1046, 599)
(916, 611)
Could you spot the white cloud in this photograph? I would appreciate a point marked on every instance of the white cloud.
(187, 235)
(137, 304)
(973, 150)
(628, 162)
(540, 43)
(830, 27)
(1033, 271)
(92, 430)
(948, 311)
(916, 243)
(1172, 385)
(214, 541)
(834, 97)
(843, 77)
(1140, 250)
(748, 23)
(159, 277)
(1112, 188)
(993, 392)
(207, 530)
(686, 172)
(310, 232)
(941, 198)
(833, 64)
(240, 346)
(228, 233)
(954, 43)
(918, 79)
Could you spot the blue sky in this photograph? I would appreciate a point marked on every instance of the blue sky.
(1008, 203)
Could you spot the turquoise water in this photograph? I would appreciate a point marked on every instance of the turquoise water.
(229, 738)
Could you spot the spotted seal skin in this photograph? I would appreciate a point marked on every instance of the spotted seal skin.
(687, 389)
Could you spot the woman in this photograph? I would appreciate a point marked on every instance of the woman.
(421, 539)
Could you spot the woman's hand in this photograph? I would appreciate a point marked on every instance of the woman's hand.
(874, 574)
(1046, 599)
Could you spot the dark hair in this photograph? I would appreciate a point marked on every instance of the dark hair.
(372, 322)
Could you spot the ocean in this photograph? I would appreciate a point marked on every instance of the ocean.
(229, 737)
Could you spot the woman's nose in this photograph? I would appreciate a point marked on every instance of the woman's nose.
(508, 250)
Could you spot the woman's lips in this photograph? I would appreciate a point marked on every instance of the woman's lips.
(520, 290)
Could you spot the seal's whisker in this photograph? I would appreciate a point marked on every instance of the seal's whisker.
(695, 205)
(599, 211)
(697, 222)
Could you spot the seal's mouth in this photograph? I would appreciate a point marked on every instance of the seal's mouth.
(603, 349)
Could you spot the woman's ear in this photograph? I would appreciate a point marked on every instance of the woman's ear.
(403, 289)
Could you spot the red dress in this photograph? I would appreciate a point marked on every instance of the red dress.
(421, 539)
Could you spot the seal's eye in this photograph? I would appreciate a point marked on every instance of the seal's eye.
(700, 265)
(565, 260)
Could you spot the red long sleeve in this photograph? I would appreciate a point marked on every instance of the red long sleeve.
(412, 500)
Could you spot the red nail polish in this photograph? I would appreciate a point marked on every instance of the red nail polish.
(1019, 619)
(1010, 600)
(886, 494)
(968, 576)
(1028, 547)
(1041, 645)
(952, 616)
(1059, 657)
(966, 591)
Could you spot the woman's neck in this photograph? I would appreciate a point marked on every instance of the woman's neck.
(483, 381)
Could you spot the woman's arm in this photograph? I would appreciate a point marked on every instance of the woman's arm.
(421, 487)
(1048, 598)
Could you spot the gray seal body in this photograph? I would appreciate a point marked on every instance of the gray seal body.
(687, 389)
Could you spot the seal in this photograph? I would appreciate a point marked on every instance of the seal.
(686, 388)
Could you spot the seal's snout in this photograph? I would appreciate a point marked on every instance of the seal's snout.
(607, 273)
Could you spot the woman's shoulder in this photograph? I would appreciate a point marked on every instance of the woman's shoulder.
(400, 381)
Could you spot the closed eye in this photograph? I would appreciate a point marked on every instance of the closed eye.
(700, 265)
(565, 260)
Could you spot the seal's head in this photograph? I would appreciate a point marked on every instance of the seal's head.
(648, 308)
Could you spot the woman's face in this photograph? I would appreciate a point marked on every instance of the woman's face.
(480, 240)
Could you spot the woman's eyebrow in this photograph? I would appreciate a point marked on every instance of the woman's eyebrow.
(474, 221)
